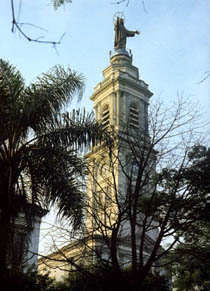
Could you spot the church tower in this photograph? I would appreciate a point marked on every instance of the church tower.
(118, 174)
(121, 102)
(121, 98)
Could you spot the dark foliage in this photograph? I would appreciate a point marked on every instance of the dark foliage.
(39, 160)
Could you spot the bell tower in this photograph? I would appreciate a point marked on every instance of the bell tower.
(121, 102)
(121, 98)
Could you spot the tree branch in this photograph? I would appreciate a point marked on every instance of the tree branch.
(17, 25)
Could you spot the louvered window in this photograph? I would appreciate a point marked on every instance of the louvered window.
(105, 116)
(134, 116)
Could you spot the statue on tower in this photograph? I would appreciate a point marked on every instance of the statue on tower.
(121, 33)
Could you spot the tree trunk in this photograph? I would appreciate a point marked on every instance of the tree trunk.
(5, 231)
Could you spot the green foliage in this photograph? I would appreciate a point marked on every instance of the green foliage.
(198, 172)
(193, 278)
(58, 3)
(39, 159)
(192, 268)
(31, 131)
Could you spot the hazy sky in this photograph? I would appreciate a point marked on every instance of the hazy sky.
(172, 52)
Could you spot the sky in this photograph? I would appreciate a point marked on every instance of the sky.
(172, 52)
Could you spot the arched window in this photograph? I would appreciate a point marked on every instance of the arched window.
(105, 116)
(134, 116)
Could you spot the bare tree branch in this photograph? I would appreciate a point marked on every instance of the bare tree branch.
(18, 25)
(206, 76)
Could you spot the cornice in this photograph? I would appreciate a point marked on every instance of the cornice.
(121, 81)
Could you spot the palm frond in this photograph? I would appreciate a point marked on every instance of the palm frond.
(77, 129)
(46, 98)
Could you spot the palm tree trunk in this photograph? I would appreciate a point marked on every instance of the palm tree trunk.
(4, 242)
(6, 228)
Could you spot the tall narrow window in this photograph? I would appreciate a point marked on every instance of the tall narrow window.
(143, 116)
(105, 116)
(134, 116)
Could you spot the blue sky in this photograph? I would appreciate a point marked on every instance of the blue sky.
(172, 52)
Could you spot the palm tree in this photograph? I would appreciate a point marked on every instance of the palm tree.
(39, 161)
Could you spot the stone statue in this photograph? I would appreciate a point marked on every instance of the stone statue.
(121, 33)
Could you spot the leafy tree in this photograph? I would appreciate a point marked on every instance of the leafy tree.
(191, 267)
(39, 162)
(198, 172)
(192, 256)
